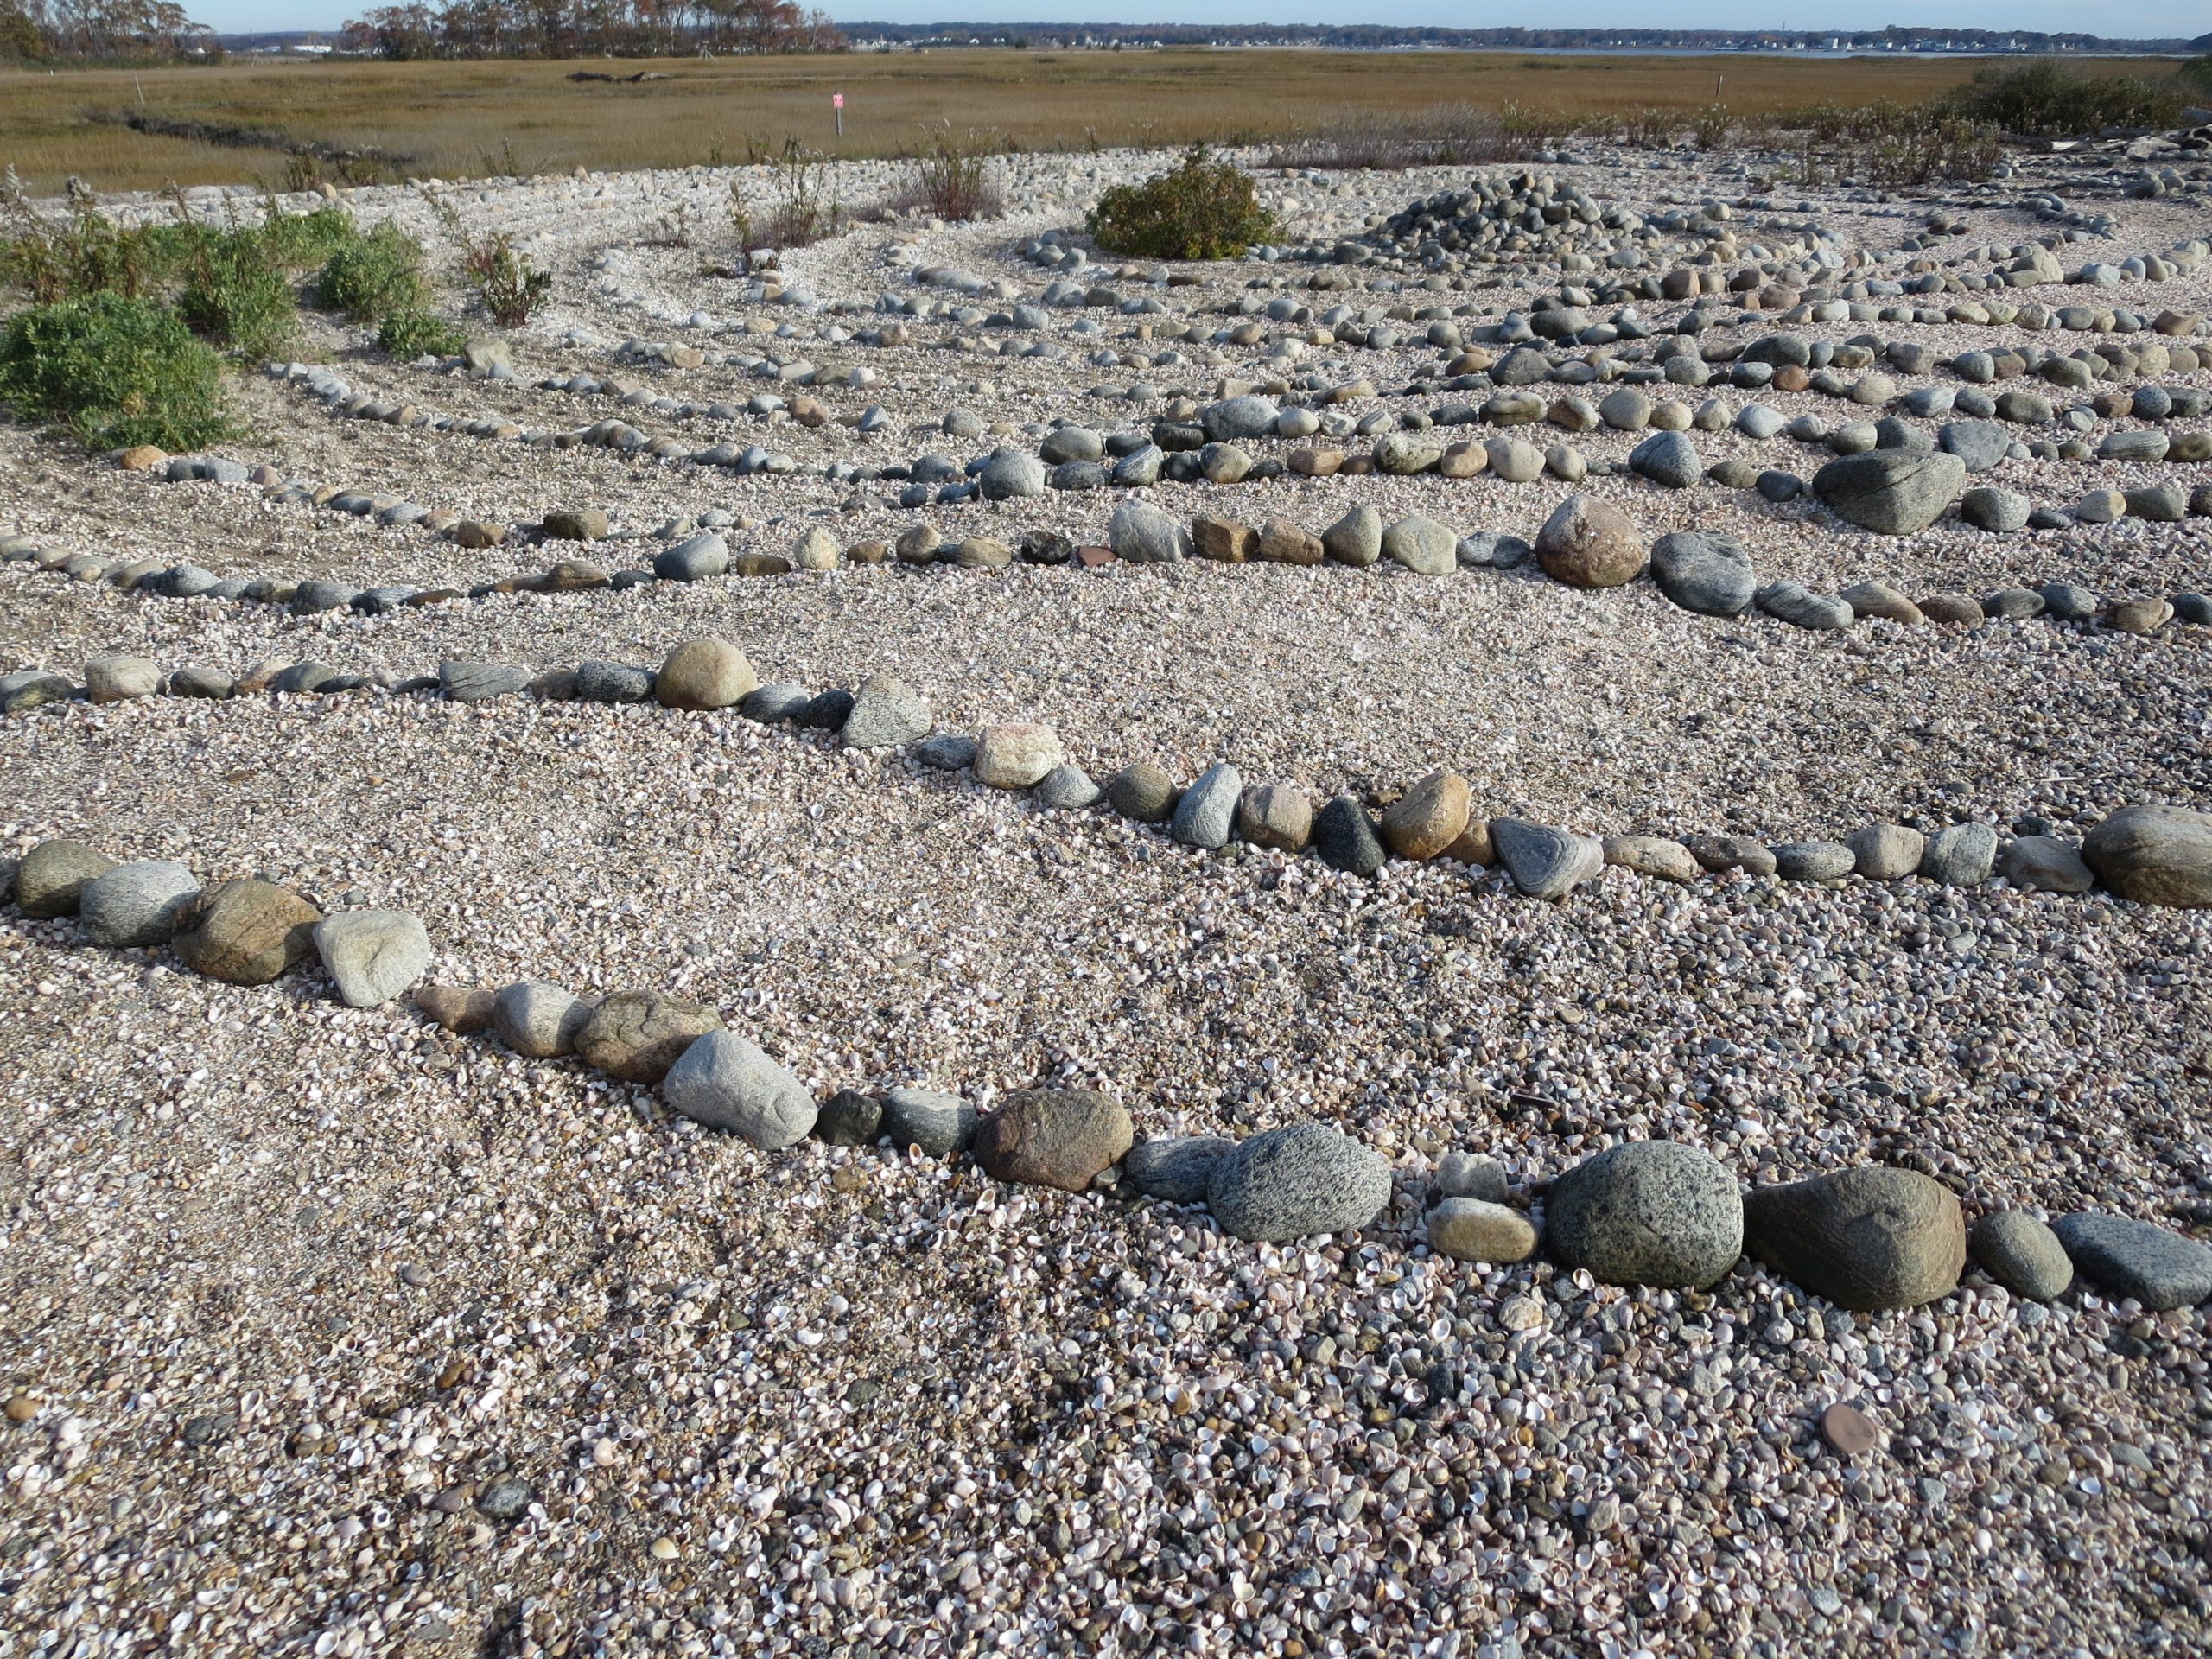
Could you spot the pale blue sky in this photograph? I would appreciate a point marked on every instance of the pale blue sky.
(2139, 19)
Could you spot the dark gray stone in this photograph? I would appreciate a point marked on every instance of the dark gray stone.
(598, 682)
(1670, 459)
(1178, 1168)
(1705, 571)
(1344, 838)
(1545, 862)
(2138, 1260)
(939, 1124)
(849, 1118)
(1647, 1212)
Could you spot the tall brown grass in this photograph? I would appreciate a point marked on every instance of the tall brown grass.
(457, 119)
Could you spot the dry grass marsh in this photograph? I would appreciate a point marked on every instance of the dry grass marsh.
(459, 118)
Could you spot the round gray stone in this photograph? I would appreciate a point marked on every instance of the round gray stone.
(725, 1082)
(1647, 1212)
(135, 903)
(1295, 1181)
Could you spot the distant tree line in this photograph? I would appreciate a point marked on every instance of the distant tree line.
(41, 30)
(575, 29)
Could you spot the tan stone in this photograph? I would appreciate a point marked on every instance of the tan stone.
(1429, 817)
(1017, 755)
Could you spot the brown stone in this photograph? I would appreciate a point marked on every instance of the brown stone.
(1463, 460)
(1791, 377)
(1590, 542)
(1316, 463)
(1472, 845)
(1221, 539)
(1849, 1430)
(244, 932)
(1429, 817)
(760, 564)
(867, 553)
(1094, 558)
(1280, 542)
(636, 1036)
(1870, 1237)
(810, 411)
(1275, 815)
(457, 1008)
(140, 456)
(1955, 610)
(704, 673)
(584, 525)
(1061, 1138)
(571, 575)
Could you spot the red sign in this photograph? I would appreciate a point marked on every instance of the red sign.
(836, 100)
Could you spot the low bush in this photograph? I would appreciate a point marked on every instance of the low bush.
(373, 276)
(114, 370)
(1200, 209)
(237, 295)
(407, 336)
(2045, 98)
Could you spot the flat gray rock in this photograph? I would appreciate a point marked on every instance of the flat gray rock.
(693, 559)
(1812, 861)
(779, 702)
(2139, 1260)
(1647, 1212)
(1705, 571)
(1421, 545)
(1142, 534)
(939, 1124)
(135, 903)
(1543, 861)
(1890, 492)
(725, 1082)
(1207, 813)
(373, 955)
(1960, 855)
(538, 1018)
(1797, 605)
(1177, 1168)
(1067, 787)
(886, 713)
(474, 682)
(1296, 1181)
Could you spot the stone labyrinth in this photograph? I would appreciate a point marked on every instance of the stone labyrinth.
(1482, 937)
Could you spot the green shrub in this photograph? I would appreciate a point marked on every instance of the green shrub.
(2046, 99)
(114, 370)
(373, 276)
(2197, 76)
(238, 297)
(299, 242)
(408, 334)
(1199, 209)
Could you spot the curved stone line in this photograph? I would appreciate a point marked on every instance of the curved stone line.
(1654, 1212)
(1703, 574)
(1434, 816)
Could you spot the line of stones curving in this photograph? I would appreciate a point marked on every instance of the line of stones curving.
(2150, 854)
(1586, 542)
(1658, 1213)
